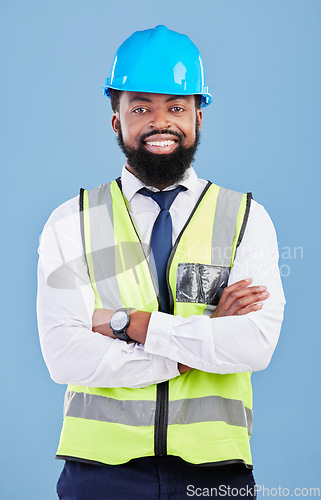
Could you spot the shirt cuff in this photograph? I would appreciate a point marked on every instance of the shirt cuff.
(159, 333)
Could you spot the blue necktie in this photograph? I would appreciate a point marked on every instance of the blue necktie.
(161, 241)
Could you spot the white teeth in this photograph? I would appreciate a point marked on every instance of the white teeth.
(162, 144)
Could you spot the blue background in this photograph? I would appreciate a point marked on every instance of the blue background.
(261, 134)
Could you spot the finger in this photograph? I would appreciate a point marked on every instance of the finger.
(247, 301)
(245, 296)
(250, 308)
(238, 284)
(252, 301)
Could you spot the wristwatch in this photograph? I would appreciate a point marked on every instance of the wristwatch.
(119, 322)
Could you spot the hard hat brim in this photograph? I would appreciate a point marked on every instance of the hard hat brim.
(207, 98)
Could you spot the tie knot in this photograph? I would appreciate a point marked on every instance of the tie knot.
(163, 198)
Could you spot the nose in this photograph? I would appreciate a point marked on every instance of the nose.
(160, 119)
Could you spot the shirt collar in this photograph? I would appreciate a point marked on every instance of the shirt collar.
(131, 184)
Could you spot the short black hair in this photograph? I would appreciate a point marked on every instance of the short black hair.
(115, 99)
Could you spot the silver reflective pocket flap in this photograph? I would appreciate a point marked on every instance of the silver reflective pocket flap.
(200, 283)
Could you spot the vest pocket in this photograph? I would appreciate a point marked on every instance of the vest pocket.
(200, 283)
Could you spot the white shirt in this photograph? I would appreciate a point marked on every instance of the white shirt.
(76, 355)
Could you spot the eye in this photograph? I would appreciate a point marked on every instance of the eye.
(177, 109)
(140, 110)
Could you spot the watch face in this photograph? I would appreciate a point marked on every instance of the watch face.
(119, 321)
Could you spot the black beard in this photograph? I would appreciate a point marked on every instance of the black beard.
(160, 170)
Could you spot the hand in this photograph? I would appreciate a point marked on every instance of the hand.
(239, 299)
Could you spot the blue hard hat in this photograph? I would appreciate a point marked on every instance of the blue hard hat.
(159, 61)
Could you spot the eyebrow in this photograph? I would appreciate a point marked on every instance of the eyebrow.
(177, 97)
(137, 98)
(145, 99)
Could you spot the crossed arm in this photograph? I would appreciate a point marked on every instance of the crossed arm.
(241, 336)
(236, 300)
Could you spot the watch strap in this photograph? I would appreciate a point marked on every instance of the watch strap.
(122, 336)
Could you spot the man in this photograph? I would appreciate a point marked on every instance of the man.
(150, 304)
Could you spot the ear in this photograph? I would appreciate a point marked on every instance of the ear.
(199, 118)
(115, 122)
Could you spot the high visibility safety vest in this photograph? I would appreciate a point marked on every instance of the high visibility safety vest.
(198, 416)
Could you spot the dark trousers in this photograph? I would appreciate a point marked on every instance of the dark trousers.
(154, 478)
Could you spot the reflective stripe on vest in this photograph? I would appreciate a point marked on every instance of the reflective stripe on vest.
(142, 413)
(209, 415)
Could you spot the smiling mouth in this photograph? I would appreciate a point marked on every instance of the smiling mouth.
(163, 146)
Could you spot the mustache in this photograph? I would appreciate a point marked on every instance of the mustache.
(158, 132)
